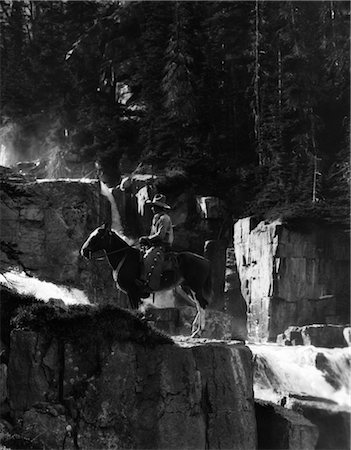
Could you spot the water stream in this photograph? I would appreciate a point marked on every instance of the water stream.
(305, 372)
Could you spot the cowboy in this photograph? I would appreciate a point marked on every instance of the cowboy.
(159, 241)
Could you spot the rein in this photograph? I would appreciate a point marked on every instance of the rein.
(106, 253)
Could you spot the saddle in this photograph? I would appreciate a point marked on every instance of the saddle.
(171, 262)
(169, 269)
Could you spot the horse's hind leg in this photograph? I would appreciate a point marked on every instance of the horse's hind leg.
(196, 326)
(134, 299)
(202, 312)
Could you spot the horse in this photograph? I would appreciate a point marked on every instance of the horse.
(193, 276)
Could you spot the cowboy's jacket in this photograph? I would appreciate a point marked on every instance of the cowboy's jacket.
(161, 230)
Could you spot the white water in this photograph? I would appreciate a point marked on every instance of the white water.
(42, 290)
(115, 215)
(280, 371)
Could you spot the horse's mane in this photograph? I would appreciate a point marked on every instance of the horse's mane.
(122, 238)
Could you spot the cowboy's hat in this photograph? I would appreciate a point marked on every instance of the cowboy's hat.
(159, 200)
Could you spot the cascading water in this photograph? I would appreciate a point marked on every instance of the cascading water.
(302, 371)
(42, 290)
(115, 215)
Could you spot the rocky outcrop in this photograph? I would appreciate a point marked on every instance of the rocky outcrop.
(280, 428)
(48, 221)
(234, 302)
(291, 276)
(311, 381)
(126, 386)
(215, 252)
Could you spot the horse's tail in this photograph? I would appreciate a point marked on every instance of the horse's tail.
(207, 289)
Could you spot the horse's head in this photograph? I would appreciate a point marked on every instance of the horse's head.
(98, 243)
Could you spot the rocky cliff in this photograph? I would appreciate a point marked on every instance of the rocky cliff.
(291, 277)
(47, 221)
(101, 378)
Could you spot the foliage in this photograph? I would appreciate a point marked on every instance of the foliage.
(249, 99)
(16, 441)
(10, 302)
(89, 325)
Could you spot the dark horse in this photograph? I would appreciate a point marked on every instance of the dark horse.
(193, 274)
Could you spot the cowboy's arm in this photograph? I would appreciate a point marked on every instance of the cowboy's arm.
(160, 230)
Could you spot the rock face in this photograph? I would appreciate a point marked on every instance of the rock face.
(333, 425)
(49, 221)
(291, 277)
(328, 336)
(178, 321)
(121, 393)
(279, 428)
(234, 302)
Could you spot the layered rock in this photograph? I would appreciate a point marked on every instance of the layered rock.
(48, 221)
(280, 428)
(133, 389)
(328, 336)
(333, 424)
(291, 277)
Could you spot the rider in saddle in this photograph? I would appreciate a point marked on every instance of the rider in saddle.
(159, 241)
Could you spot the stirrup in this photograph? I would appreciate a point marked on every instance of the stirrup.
(144, 289)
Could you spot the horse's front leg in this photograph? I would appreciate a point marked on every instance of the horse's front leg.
(199, 322)
(196, 327)
(202, 319)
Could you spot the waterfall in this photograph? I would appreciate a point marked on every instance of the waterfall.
(115, 215)
(306, 371)
(42, 290)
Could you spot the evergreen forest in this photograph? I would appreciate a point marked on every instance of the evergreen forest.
(248, 101)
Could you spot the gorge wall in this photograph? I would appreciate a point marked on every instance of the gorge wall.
(291, 277)
(47, 221)
(125, 385)
(282, 277)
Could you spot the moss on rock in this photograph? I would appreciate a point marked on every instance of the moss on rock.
(85, 324)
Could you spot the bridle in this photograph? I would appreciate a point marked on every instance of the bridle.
(102, 254)
(99, 255)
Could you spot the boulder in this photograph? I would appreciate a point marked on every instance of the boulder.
(291, 336)
(328, 336)
(319, 335)
(280, 428)
(51, 428)
(332, 421)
